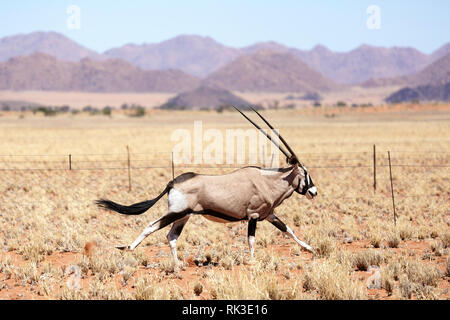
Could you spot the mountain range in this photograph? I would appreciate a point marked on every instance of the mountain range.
(203, 56)
(41, 71)
(436, 73)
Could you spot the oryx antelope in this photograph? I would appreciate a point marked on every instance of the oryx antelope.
(249, 193)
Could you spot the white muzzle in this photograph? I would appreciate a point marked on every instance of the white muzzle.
(311, 193)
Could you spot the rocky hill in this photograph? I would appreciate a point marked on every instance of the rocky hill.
(271, 72)
(43, 72)
(205, 98)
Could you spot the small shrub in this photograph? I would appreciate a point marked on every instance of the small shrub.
(364, 259)
(323, 246)
(198, 288)
(332, 281)
(393, 240)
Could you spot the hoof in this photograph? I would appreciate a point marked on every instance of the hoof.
(123, 247)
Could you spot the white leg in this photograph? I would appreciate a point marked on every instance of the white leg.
(281, 226)
(155, 226)
(251, 244)
(152, 227)
(293, 236)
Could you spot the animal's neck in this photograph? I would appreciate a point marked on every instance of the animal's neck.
(285, 181)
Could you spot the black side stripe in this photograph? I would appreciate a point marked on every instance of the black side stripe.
(219, 215)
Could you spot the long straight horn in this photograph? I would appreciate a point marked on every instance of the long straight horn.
(278, 135)
(266, 134)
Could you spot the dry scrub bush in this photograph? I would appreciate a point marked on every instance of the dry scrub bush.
(322, 244)
(446, 240)
(405, 230)
(414, 277)
(437, 248)
(6, 267)
(332, 281)
(72, 294)
(28, 273)
(364, 259)
(375, 239)
(393, 239)
(146, 289)
(254, 284)
(100, 291)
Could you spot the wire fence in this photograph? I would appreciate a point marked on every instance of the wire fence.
(163, 160)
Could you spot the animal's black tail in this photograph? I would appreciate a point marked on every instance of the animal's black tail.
(134, 209)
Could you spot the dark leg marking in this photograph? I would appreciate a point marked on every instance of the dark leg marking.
(279, 224)
(252, 227)
(251, 235)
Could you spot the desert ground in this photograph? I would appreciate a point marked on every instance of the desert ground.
(56, 244)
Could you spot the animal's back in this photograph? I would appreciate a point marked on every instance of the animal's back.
(228, 193)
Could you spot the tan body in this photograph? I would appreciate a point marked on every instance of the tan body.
(249, 192)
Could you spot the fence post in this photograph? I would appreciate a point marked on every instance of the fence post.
(129, 169)
(70, 162)
(374, 168)
(392, 189)
(271, 161)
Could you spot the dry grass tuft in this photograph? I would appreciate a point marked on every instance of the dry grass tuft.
(393, 239)
(332, 281)
(364, 259)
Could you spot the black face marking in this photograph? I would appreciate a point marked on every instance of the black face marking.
(252, 227)
(219, 215)
(308, 183)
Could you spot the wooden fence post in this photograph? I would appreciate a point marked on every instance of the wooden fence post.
(374, 168)
(392, 189)
(70, 162)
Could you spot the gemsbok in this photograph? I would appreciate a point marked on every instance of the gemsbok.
(247, 194)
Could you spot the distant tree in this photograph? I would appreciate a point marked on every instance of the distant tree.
(47, 111)
(317, 104)
(341, 104)
(87, 109)
(139, 111)
(106, 111)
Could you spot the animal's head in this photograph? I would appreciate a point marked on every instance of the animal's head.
(305, 185)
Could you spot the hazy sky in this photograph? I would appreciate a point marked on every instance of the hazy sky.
(340, 25)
